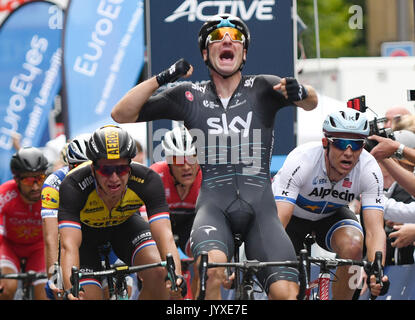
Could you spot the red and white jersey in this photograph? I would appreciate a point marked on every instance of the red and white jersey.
(20, 223)
(172, 196)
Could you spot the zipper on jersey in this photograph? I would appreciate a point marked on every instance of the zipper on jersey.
(331, 190)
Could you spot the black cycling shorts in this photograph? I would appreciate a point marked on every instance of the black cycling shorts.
(323, 229)
(126, 240)
(264, 236)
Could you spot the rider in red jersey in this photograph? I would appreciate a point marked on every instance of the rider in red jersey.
(20, 220)
(182, 178)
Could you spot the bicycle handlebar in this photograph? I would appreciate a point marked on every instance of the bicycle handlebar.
(371, 268)
(245, 265)
(171, 271)
(30, 275)
(124, 270)
(203, 266)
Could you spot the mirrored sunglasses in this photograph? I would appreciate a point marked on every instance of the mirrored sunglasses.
(30, 181)
(107, 170)
(217, 35)
(343, 144)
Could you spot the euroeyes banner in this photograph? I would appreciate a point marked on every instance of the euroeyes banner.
(103, 53)
(30, 77)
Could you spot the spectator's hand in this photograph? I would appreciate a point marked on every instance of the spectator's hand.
(390, 223)
(16, 137)
(403, 236)
(385, 148)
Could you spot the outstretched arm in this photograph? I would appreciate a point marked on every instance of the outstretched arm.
(129, 107)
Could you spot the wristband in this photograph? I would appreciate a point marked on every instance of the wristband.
(177, 70)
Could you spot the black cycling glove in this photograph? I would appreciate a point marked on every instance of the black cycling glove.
(177, 70)
(295, 91)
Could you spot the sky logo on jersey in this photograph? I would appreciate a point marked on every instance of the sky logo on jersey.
(192, 9)
(112, 144)
(236, 125)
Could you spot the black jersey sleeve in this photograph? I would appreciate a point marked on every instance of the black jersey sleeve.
(268, 82)
(154, 197)
(164, 104)
(70, 201)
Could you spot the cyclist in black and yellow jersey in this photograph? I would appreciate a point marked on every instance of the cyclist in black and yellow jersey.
(99, 203)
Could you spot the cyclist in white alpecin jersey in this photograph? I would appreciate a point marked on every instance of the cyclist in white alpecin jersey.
(316, 183)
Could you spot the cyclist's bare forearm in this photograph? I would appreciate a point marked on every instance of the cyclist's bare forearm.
(375, 233)
(163, 236)
(285, 211)
(310, 102)
(128, 108)
(71, 241)
(50, 235)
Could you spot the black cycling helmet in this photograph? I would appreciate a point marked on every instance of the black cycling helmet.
(219, 21)
(28, 159)
(223, 20)
(76, 150)
(110, 142)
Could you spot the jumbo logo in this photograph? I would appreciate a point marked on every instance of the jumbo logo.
(112, 144)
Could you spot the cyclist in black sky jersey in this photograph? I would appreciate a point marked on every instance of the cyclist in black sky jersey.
(232, 118)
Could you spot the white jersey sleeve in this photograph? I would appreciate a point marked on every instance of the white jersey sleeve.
(371, 179)
(294, 173)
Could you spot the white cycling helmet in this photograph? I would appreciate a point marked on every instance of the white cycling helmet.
(178, 142)
(76, 151)
(346, 121)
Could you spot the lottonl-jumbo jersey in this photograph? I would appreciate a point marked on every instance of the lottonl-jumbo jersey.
(80, 203)
(20, 223)
(303, 180)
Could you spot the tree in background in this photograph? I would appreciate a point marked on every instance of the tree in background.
(339, 35)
